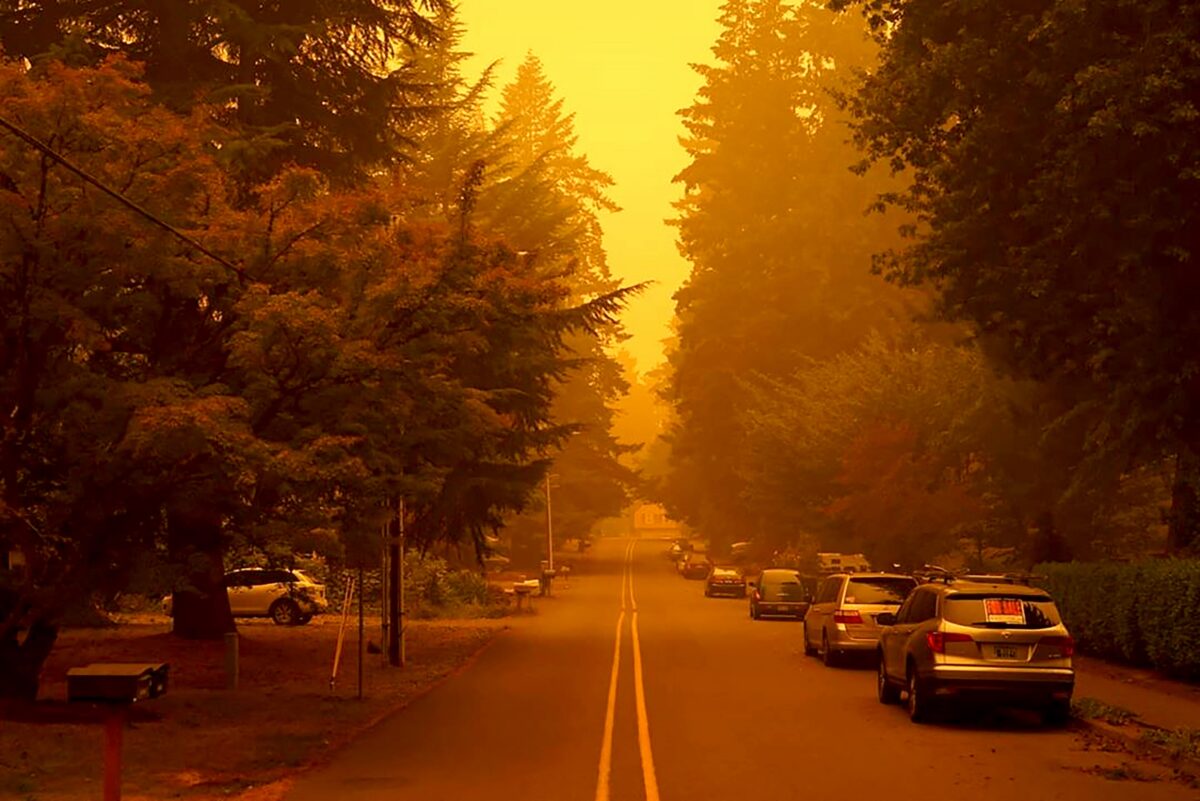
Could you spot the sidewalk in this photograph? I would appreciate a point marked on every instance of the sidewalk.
(1155, 699)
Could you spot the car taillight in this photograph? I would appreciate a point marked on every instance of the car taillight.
(1064, 644)
(937, 640)
(851, 616)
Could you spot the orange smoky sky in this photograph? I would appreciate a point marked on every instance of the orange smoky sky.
(622, 68)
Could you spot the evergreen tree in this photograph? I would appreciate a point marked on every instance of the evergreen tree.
(772, 222)
(312, 82)
(1050, 152)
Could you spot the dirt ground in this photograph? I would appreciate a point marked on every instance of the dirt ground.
(202, 742)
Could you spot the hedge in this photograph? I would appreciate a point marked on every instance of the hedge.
(1141, 613)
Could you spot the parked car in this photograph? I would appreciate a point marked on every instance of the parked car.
(842, 617)
(695, 565)
(1002, 643)
(725, 580)
(779, 592)
(288, 597)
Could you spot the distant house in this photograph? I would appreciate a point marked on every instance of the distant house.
(651, 520)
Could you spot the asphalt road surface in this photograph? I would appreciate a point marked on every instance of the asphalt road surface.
(632, 685)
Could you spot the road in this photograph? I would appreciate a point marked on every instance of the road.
(693, 701)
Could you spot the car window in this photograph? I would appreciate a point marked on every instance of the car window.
(878, 590)
(905, 613)
(276, 577)
(785, 590)
(829, 590)
(924, 606)
(996, 610)
(724, 572)
(241, 578)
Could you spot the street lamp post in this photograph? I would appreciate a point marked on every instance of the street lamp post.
(549, 528)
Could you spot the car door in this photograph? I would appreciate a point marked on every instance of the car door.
(822, 609)
(907, 621)
(239, 586)
(893, 639)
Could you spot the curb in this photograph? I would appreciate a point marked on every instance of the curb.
(1129, 737)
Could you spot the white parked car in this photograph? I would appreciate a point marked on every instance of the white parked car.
(289, 597)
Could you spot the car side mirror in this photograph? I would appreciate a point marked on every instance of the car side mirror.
(886, 618)
(752, 584)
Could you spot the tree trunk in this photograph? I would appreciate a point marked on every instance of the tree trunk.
(1046, 543)
(200, 604)
(21, 659)
(1183, 532)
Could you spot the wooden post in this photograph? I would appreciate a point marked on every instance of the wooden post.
(114, 733)
(231, 660)
(360, 632)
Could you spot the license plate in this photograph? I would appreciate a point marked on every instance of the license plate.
(1004, 651)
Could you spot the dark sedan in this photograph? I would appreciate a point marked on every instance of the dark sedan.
(779, 592)
(725, 581)
(695, 566)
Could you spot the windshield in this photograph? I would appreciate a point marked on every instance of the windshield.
(880, 590)
(784, 589)
(999, 611)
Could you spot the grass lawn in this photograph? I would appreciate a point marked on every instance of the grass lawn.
(202, 742)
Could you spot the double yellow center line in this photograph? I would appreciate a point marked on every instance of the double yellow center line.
(649, 779)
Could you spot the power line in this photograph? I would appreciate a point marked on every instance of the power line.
(36, 143)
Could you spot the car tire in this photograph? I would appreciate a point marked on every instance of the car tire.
(888, 693)
(285, 612)
(1057, 714)
(828, 656)
(920, 707)
(809, 650)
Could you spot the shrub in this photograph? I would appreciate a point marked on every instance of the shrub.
(1142, 613)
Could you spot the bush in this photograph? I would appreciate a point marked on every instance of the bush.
(1141, 613)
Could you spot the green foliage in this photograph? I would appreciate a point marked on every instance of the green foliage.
(1094, 709)
(1141, 612)
(305, 82)
(1178, 743)
(771, 220)
(1049, 149)
(432, 588)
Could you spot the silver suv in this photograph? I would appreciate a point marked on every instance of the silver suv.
(1001, 642)
(843, 615)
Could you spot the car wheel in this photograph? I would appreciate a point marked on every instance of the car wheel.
(888, 692)
(285, 612)
(808, 646)
(1057, 714)
(919, 707)
(827, 654)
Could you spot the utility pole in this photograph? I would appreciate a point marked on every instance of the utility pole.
(395, 560)
(549, 528)
(385, 588)
(401, 622)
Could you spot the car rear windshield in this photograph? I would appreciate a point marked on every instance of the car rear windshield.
(1001, 611)
(882, 590)
(724, 572)
(784, 591)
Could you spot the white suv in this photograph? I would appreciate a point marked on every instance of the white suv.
(289, 597)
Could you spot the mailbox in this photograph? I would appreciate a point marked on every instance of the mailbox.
(117, 682)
